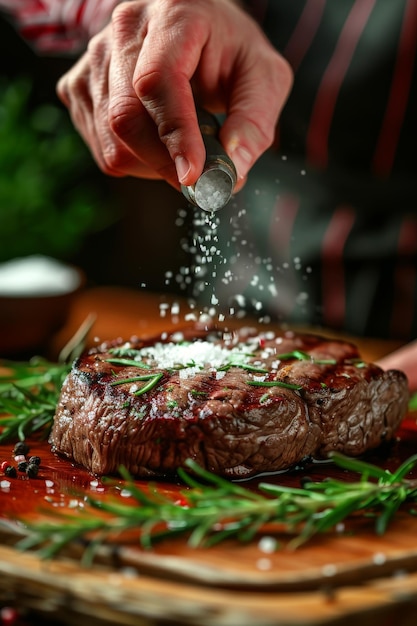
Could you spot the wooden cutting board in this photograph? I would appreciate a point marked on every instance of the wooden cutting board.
(339, 575)
(334, 579)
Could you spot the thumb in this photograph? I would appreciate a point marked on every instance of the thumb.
(250, 126)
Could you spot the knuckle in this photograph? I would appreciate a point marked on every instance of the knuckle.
(121, 118)
(115, 160)
(168, 130)
(125, 17)
(75, 90)
(123, 11)
(96, 47)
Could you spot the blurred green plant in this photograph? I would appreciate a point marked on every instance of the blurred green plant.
(50, 196)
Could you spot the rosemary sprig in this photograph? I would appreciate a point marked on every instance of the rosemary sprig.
(152, 381)
(299, 355)
(273, 383)
(212, 509)
(29, 391)
(243, 366)
(28, 398)
(128, 362)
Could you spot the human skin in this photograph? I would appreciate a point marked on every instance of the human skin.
(132, 94)
(404, 359)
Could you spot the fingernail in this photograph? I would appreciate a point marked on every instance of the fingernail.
(182, 166)
(242, 160)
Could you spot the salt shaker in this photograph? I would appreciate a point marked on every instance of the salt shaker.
(214, 188)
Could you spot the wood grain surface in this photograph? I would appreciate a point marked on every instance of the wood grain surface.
(343, 577)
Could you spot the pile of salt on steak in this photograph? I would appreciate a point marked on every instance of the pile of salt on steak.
(239, 404)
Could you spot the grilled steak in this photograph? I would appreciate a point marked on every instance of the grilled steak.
(239, 404)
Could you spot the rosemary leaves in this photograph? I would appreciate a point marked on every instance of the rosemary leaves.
(212, 509)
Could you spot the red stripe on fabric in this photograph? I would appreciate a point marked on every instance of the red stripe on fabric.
(304, 32)
(333, 274)
(328, 91)
(80, 13)
(282, 223)
(280, 235)
(400, 87)
(34, 31)
(405, 277)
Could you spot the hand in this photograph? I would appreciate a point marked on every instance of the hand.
(404, 359)
(131, 95)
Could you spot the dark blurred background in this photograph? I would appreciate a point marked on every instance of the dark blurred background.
(55, 201)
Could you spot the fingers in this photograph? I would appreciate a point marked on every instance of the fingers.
(403, 359)
(84, 91)
(167, 61)
(256, 102)
(132, 95)
(218, 49)
(126, 116)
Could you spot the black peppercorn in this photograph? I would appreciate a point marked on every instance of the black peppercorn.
(32, 470)
(10, 471)
(35, 459)
(21, 448)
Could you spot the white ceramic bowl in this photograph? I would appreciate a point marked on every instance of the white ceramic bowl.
(35, 298)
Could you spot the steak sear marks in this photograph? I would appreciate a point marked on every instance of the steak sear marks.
(239, 404)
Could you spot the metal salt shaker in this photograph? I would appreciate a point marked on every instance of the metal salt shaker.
(214, 188)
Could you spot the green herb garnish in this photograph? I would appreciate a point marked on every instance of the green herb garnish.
(153, 380)
(244, 366)
(28, 398)
(212, 509)
(29, 391)
(273, 383)
(128, 362)
(304, 356)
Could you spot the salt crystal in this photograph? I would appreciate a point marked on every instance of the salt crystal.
(329, 570)
(267, 544)
(213, 190)
(379, 558)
